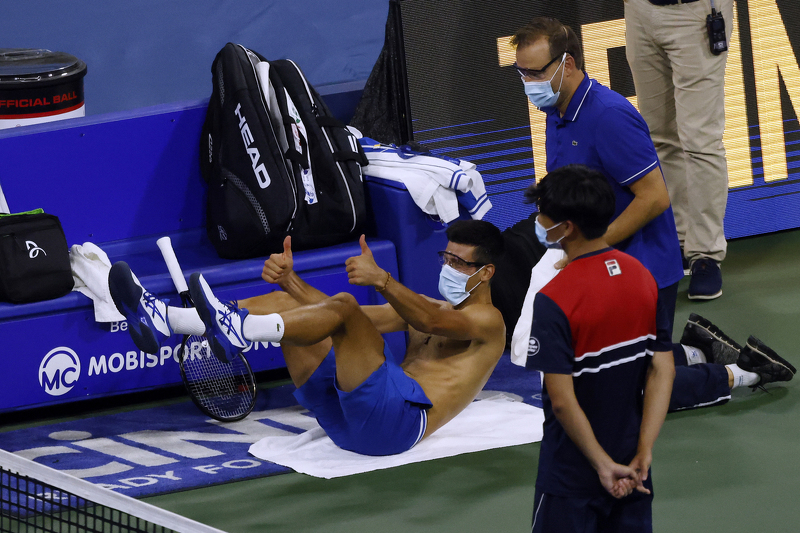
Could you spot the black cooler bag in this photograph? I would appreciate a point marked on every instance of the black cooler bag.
(34, 258)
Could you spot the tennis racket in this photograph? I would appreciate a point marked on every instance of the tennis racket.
(223, 391)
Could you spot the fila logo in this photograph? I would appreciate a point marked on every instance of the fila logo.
(255, 156)
(613, 267)
(33, 249)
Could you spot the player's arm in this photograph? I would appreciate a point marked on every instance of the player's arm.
(385, 318)
(279, 269)
(474, 322)
(657, 393)
(650, 200)
(422, 313)
(572, 418)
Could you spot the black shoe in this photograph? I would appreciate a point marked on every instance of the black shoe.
(722, 354)
(759, 358)
(703, 335)
(706, 283)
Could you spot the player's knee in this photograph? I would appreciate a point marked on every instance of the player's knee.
(345, 304)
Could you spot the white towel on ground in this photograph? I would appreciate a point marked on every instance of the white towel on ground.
(541, 274)
(90, 267)
(494, 422)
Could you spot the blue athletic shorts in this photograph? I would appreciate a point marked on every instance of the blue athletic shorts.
(603, 514)
(386, 414)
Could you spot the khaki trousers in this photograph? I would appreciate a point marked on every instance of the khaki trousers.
(680, 88)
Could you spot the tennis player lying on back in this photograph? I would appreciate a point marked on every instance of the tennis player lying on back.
(367, 400)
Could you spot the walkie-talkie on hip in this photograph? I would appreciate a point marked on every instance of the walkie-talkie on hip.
(715, 25)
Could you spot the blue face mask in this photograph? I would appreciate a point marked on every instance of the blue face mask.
(541, 93)
(453, 284)
(541, 234)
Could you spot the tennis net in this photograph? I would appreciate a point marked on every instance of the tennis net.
(37, 499)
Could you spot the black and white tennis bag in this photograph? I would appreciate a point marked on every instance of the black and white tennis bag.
(276, 160)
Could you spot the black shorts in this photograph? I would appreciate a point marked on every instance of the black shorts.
(603, 514)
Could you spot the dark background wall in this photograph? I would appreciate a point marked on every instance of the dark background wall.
(146, 52)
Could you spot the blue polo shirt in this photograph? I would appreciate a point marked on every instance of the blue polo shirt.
(602, 130)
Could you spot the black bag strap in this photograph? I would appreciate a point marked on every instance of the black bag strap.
(359, 157)
(342, 155)
(297, 157)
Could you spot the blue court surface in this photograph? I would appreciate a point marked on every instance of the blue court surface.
(175, 447)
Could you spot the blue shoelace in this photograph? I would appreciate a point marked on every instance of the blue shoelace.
(150, 304)
(225, 319)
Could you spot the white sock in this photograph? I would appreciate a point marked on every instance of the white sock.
(694, 356)
(185, 321)
(263, 328)
(742, 378)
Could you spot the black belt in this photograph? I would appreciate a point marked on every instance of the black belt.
(670, 2)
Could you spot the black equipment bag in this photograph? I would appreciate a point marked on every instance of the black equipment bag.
(331, 172)
(34, 258)
(513, 271)
(251, 194)
(276, 161)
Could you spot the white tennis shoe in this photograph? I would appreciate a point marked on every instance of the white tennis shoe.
(223, 320)
(146, 314)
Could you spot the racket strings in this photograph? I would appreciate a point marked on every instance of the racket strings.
(225, 391)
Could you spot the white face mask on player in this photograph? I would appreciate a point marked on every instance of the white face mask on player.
(453, 284)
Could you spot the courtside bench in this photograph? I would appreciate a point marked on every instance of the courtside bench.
(121, 181)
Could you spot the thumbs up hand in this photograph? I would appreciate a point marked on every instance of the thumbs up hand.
(362, 269)
(278, 266)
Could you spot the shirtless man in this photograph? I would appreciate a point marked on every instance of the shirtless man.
(367, 400)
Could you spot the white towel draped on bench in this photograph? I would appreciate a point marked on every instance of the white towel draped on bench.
(437, 184)
(90, 267)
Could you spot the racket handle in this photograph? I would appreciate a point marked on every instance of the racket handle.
(165, 245)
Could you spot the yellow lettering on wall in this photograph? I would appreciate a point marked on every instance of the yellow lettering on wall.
(506, 56)
(772, 55)
(597, 39)
(737, 136)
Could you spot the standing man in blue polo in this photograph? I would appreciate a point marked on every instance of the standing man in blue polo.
(591, 125)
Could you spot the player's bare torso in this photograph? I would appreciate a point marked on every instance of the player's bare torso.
(451, 372)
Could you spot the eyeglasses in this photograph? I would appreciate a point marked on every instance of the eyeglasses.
(534, 73)
(449, 258)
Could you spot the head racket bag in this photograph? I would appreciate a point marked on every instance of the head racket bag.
(276, 160)
(252, 198)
